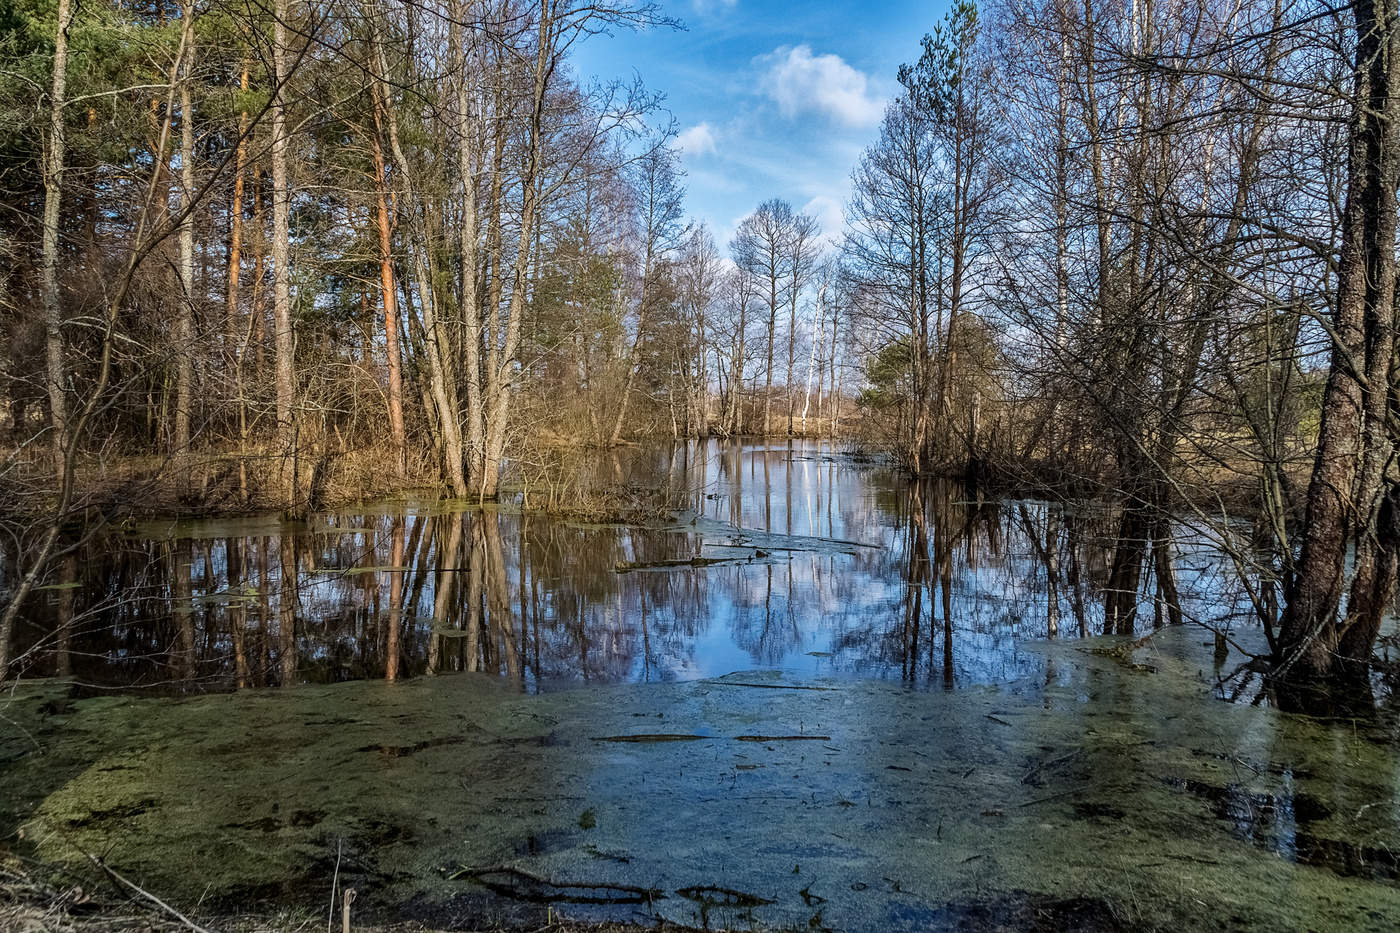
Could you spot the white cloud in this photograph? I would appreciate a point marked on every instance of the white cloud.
(705, 6)
(829, 213)
(697, 140)
(799, 81)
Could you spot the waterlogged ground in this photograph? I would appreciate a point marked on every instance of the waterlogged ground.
(1101, 795)
(815, 697)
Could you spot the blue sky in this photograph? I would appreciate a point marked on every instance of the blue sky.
(772, 99)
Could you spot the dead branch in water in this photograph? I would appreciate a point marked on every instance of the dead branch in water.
(136, 888)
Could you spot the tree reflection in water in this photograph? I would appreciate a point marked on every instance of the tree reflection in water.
(941, 586)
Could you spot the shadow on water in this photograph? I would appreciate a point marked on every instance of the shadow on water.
(1285, 823)
(788, 556)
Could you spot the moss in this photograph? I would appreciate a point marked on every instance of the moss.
(1098, 789)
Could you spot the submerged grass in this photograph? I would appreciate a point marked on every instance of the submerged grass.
(1101, 797)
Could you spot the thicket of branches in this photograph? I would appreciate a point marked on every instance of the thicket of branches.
(1141, 249)
(271, 255)
(362, 243)
(1146, 250)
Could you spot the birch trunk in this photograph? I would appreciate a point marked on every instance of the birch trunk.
(812, 358)
(467, 248)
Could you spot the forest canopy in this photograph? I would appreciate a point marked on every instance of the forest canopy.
(282, 255)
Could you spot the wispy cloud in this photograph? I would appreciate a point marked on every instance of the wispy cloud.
(710, 6)
(696, 141)
(800, 82)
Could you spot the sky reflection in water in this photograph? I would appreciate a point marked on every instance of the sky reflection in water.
(875, 568)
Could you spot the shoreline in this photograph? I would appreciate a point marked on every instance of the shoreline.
(127, 493)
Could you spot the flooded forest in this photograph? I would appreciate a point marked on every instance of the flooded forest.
(427, 503)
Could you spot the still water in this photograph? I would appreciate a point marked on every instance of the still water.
(814, 696)
(790, 556)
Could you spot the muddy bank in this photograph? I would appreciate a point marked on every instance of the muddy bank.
(1100, 791)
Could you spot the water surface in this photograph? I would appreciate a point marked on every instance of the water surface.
(790, 555)
(816, 696)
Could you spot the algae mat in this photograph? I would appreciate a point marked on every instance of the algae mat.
(1100, 796)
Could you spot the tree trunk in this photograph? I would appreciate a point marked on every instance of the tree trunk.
(442, 383)
(768, 377)
(467, 247)
(792, 347)
(55, 378)
(629, 380)
(235, 347)
(235, 237)
(1350, 500)
(184, 320)
(281, 278)
(736, 377)
(1125, 573)
(813, 363)
(389, 293)
(501, 361)
(835, 383)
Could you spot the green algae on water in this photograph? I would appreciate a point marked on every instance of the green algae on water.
(1096, 791)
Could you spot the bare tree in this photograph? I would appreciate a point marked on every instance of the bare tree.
(804, 248)
(663, 230)
(699, 272)
(762, 248)
(891, 251)
(1353, 498)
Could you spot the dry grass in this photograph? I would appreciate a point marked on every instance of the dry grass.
(29, 904)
